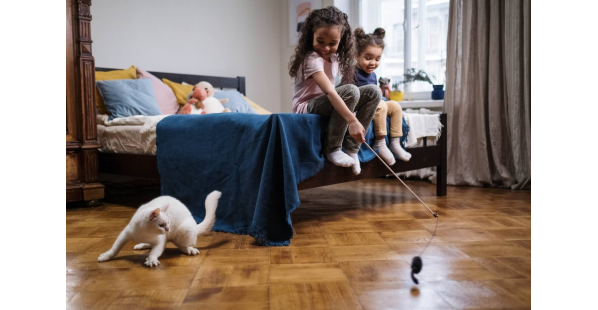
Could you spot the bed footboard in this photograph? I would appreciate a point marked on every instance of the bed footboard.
(441, 168)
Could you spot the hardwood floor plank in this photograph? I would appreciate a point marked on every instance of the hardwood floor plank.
(365, 252)
(237, 256)
(239, 297)
(355, 238)
(325, 295)
(398, 295)
(250, 274)
(213, 276)
(279, 255)
(342, 227)
(306, 255)
(306, 273)
(308, 240)
(492, 249)
(376, 270)
(476, 294)
(129, 299)
(143, 278)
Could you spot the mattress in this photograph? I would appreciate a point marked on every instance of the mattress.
(129, 135)
(137, 135)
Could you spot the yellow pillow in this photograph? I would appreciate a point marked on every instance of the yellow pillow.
(257, 107)
(126, 74)
(180, 91)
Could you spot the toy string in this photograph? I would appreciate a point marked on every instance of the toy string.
(423, 203)
(434, 214)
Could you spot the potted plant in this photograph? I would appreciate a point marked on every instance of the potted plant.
(413, 75)
(396, 94)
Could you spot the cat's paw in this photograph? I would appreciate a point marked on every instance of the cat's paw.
(189, 250)
(142, 246)
(192, 251)
(105, 256)
(151, 262)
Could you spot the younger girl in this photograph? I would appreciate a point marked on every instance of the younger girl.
(326, 47)
(369, 52)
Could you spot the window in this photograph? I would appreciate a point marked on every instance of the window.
(433, 34)
(424, 49)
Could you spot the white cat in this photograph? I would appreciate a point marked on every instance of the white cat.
(161, 220)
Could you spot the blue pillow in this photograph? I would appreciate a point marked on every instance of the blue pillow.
(124, 98)
(236, 102)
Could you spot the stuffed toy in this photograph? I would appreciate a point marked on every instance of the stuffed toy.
(209, 104)
(195, 101)
(385, 87)
(209, 90)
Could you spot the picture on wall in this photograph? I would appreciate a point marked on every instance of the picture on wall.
(298, 12)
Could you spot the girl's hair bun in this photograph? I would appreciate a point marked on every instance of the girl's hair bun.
(379, 32)
(359, 33)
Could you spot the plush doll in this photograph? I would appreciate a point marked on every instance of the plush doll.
(210, 103)
(385, 87)
(195, 101)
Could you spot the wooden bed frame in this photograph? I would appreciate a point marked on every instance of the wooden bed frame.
(145, 166)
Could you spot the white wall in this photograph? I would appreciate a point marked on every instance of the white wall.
(222, 38)
(287, 84)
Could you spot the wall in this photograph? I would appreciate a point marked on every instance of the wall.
(222, 38)
(286, 82)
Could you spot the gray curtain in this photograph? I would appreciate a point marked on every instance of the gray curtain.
(488, 93)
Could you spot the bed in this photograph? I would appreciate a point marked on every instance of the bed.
(144, 165)
(258, 162)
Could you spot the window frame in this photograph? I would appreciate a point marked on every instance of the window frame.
(407, 42)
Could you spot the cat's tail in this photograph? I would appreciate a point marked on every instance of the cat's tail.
(211, 205)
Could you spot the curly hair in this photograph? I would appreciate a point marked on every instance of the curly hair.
(328, 17)
(364, 40)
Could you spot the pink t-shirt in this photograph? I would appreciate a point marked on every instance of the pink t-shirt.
(308, 89)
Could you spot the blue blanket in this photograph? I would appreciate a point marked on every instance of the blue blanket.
(256, 161)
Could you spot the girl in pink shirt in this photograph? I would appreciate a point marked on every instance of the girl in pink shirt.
(326, 47)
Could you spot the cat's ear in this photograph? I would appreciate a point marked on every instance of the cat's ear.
(165, 208)
(154, 214)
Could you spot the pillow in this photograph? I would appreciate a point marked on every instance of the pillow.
(111, 75)
(235, 103)
(180, 91)
(124, 98)
(164, 95)
(256, 107)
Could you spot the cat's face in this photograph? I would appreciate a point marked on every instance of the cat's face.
(160, 221)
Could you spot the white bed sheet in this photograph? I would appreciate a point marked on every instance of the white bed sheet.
(129, 135)
(127, 140)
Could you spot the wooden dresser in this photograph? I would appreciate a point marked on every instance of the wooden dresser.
(81, 133)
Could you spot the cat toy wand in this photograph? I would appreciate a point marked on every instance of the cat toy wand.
(417, 263)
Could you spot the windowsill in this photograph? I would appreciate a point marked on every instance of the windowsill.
(417, 104)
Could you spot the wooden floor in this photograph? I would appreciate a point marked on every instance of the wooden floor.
(352, 249)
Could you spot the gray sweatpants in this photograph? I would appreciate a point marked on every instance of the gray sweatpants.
(362, 99)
